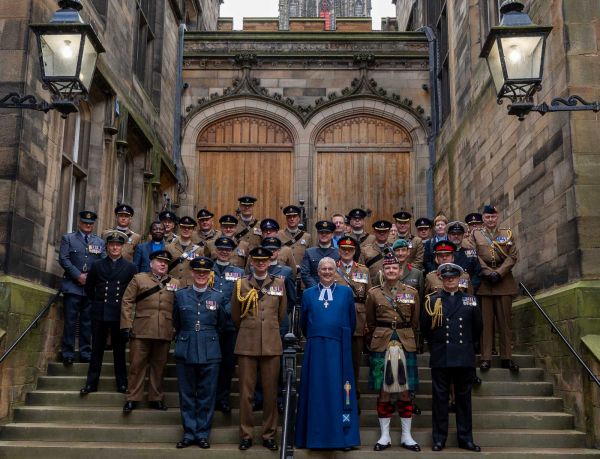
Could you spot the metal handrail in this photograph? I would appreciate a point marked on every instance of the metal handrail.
(289, 374)
(557, 331)
(33, 324)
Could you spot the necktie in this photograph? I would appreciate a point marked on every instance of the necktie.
(86, 238)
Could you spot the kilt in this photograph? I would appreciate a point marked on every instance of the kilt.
(377, 368)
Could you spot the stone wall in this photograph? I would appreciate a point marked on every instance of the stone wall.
(19, 304)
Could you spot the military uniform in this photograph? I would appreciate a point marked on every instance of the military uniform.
(197, 317)
(258, 346)
(179, 268)
(373, 256)
(105, 286)
(150, 319)
(497, 252)
(168, 215)
(78, 252)
(224, 281)
(310, 263)
(451, 335)
(298, 242)
(433, 283)
(412, 277)
(133, 240)
(467, 259)
(356, 276)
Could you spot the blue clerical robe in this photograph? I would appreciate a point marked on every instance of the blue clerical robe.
(327, 407)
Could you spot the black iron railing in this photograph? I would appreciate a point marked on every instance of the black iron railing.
(557, 331)
(32, 325)
(290, 354)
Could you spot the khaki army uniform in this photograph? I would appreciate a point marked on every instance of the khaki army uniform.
(298, 242)
(250, 233)
(365, 239)
(359, 281)
(239, 257)
(258, 346)
(179, 268)
(416, 254)
(129, 247)
(412, 277)
(497, 252)
(150, 320)
(169, 238)
(433, 283)
(388, 311)
(373, 256)
(199, 236)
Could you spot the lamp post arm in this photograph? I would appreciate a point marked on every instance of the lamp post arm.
(16, 100)
(571, 104)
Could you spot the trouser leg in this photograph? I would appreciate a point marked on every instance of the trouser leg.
(157, 360)
(463, 382)
(70, 313)
(85, 329)
(487, 336)
(269, 369)
(357, 347)
(206, 391)
(227, 365)
(187, 381)
(99, 332)
(139, 350)
(440, 378)
(118, 350)
(503, 307)
(247, 366)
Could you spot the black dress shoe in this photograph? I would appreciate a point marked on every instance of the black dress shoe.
(129, 407)
(510, 364)
(270, 444)
(380, 447)
(245, 443)
(416, 409)
(158, 405)
(414, 447)
(68, 361)
(470, 446)
(87, 390)
(477, 381)
(485, 365)
(437, 447)
(203, 443)
(122, 389)
(184, 443)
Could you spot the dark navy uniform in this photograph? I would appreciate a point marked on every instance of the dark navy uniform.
(105, 286)
(467, 259)
(77, 254)
(224, 281)
(197, 316)
(310, 263)
(452, 359)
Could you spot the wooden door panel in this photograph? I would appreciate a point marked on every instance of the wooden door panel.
(376, 181)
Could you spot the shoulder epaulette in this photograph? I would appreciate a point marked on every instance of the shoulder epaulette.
(410, 287)
(377, 287)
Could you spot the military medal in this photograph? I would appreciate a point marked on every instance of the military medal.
(232, 277)
(405, 298)
(211, 305)
(275, 291)
(469, 301)
(171, 287)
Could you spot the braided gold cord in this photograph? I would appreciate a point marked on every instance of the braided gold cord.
(211, 279)
(249, 302)
(437, 314)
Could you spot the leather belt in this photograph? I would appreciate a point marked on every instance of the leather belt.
(393, 324)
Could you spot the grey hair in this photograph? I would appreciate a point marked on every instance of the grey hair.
(325, 260)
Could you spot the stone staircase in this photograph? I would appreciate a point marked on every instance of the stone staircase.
(515, 416)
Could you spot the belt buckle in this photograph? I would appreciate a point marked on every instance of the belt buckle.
(394, 325)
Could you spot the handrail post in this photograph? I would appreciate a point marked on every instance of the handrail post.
(557, 331)
(289, 371)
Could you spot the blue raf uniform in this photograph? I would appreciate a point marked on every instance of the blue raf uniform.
(78, 251)
(312, 256)
(451, 323)
(197, 317)
(225, 276)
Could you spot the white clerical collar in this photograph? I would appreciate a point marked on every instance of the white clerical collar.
(223, 263)
(199, 290)
(326, 293)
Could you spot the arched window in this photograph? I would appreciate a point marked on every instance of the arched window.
(359, 8)
(325, 12)
(294, 8)
(125, 179)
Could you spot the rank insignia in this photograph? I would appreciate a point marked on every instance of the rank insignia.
(469, 301)
(211, 305)
(410, 246)
(405, 298)
(171, 287)
(463, 283)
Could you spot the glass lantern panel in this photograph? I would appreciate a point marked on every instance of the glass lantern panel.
(88, 63)
(523, 57)
(60, 54)
(495, 66)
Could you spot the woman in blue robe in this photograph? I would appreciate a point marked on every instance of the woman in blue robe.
(327, 415)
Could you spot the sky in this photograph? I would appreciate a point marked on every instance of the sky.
(269, 8)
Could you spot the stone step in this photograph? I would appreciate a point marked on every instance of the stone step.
(114, 399)
(102, 450)
(523, 360)
(494, 374)
(171, 385)
(528, 438)
(114, 415)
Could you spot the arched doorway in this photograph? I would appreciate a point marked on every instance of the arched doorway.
(244, 154)
(363, 161)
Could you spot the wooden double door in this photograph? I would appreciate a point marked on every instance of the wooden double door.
(360, 161)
